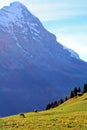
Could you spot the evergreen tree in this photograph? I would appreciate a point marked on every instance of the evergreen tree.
(75, 91)
(55, 104)
(61, 101)
(85, 88)
(52, 104)
(79, 89)
(58, 103)
(66, 98)
(48, 106)
(71, 94)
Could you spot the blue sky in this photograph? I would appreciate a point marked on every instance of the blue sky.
(67, 19)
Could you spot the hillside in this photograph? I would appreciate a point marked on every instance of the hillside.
(71, 115)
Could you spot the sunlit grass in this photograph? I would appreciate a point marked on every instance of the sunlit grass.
(71, 115)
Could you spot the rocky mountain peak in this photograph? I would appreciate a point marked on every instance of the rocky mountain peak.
(16, 4)
(15, 14)
(23, 26)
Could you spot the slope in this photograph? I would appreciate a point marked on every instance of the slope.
(71, 115)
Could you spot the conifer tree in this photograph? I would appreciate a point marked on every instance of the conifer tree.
(66, 98)
(61, 101)
(85, 88)
(71, 94)
(48, 106)
(75, 91)
(79, 89)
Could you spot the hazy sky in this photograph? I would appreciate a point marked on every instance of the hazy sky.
(67, 19)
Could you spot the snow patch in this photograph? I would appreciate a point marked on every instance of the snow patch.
(9, 16)
(72, 53)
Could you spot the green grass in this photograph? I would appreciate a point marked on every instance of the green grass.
(71, 115)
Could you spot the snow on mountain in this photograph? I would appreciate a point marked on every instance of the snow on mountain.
(10, 16)
(72, 53)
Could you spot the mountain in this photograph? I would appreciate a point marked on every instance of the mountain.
(34, 68)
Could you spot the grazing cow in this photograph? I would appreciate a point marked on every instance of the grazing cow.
(22, 115)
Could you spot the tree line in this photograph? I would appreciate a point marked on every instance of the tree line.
(75, 92)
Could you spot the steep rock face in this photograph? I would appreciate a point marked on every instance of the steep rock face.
(34, 68)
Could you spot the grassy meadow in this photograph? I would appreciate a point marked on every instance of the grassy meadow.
(71, 115)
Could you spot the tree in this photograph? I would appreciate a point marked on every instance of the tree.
(48, 106)
(71, 94)
(85, 88)
(66, 98)
(75, 91)
(55, 104)
(61, 101)
(52, 104)
(79, 89)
